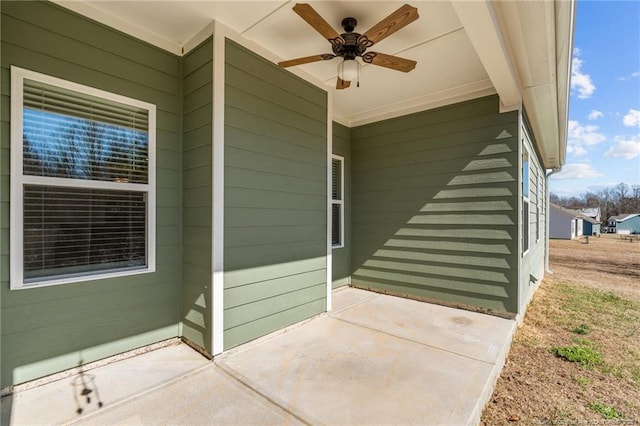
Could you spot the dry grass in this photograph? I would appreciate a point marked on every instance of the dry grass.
(591, 301)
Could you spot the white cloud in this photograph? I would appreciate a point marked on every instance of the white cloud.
(584, 135)
(632, 119)
(577, 171)
(631, 76)
(595, 114)
(579, 80)
(580, 137)
(627, 148)
(576, 150)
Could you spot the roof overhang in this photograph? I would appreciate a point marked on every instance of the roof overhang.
(520, 50)
(539, 37)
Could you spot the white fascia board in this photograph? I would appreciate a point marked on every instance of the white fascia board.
(480, 23)
(565, 13)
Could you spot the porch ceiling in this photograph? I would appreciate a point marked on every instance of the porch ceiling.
(464, 50)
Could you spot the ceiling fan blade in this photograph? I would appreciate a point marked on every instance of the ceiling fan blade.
(342, 84)
(312, 17)
(306, 60)
(392, 23)
(393, 62)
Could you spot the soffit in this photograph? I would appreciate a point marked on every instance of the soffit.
(449, 69)
(447, 62)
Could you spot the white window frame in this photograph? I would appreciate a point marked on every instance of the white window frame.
(526, 158)
(18, 180)
(339, 202)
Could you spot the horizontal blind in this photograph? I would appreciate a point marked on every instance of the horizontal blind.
(73, 230)
(336, 179)
(73, 135)
(64, 101)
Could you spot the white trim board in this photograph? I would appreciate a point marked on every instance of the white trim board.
(217, 187)
(329, 257)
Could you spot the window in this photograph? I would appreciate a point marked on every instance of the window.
(539, 203)
(337, 201)
(525, 202)
(82, 182)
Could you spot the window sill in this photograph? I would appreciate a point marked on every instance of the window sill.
(81, 278)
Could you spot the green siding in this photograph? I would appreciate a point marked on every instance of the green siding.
(532, 265)
(341, 257)
(434, 205)
(197, 127)
(275, 198)
(49, 329)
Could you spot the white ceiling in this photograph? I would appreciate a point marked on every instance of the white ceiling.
(448, 68)
(520, 50)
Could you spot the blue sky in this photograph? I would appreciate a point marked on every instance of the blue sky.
(604, 109)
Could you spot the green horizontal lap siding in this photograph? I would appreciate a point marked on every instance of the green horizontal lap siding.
(49, 329)
(532, 265)
(341, 257)
(434, 205)
(197, 127)
(275, 198)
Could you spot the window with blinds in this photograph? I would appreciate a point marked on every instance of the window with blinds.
(525, 201)
(337, 202)
(83, 174)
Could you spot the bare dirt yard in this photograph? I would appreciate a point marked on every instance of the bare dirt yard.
(575, 360)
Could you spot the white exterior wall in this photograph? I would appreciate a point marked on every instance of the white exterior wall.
(560, 224)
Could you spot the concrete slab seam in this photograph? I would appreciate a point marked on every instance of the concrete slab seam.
(414, 341)
(118, 403)
(352, 305)
(244, 381)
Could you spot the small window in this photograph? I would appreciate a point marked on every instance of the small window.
(337, 201)
(539, 203)
(525, 202)
(82, 182)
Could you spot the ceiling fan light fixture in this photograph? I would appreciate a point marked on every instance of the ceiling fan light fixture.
(348, 69)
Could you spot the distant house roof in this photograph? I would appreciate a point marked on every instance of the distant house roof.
(623, 217)
(590, 211)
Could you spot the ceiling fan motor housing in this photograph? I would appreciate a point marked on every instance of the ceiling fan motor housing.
(349, 24)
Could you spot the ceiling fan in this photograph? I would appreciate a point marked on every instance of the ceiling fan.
(351, 45)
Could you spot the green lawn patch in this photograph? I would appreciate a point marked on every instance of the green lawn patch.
(584, 356)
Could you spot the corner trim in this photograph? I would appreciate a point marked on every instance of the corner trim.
(217, 186)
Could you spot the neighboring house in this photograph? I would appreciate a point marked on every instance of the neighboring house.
(167, 179)
(565, 223)
(592, 212)
(590, 226)
(624, 224)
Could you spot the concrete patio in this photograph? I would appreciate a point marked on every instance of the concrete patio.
(374, 359)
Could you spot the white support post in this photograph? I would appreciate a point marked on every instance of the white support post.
(217, 225)
(329, 199)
